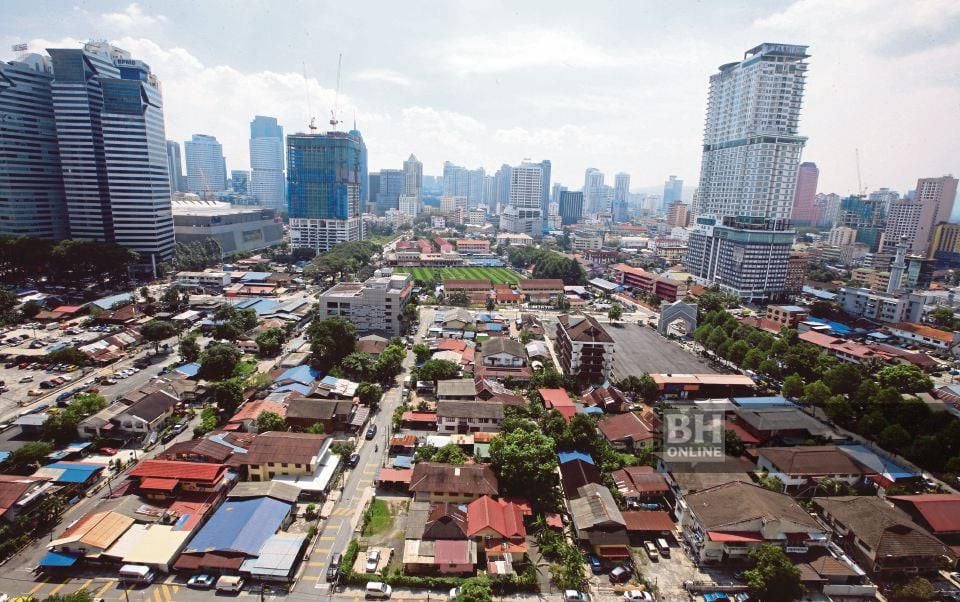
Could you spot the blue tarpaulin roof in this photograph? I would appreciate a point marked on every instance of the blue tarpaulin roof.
(591, 410)
(241, 526)
(75, 472)
(189, 370)
(4, 455)
(403, 462)
(877, 463)
(54, 558)
(302, 389)
(565, 457)
(304, 375)
(259, 305)
(819, 294)
(108, 302)
(255, 277)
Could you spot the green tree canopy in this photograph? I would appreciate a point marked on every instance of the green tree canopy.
(158, 330)
(475, 589)
(905, 378)
(525, 462)
(370, 394)
(434, 370)
(421, 352)
(270, 341)
(815, 393)
(219, 361)
(774, 578)
(189, 348)
(615, 312)
(331, 340)
(270, 421)
(227, 394)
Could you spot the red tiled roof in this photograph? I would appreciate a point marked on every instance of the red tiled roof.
(739, 536)
(741, 432)
(655, 520)
(159, 484)
(921, 330)
(504, 518)
(253, 409)
(185, 471)
(68, 309)
(395, 475)
(451, 551)
(940, 510)
(555, 398)
(419, 417)
(640, 480)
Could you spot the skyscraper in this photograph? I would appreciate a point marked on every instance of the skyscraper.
(365, 194)
(555, 193)
(545, 168)
(413, 177)
(206, 167)
(621, 186)
(592, 183)
(266, 162)
(806, 194)
(109, 118)
(32, 201)
(475, 178)
(392, 184)
(501, 192)
(751, 154)
(240, 181)
(454, 180)
(571, 207)
(523, 213)
(864, 215)
(323, 186)
(175, 167)
(936, 196)
(672, 191)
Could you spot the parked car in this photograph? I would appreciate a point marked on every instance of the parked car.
(373, 560)
(109, 451)
(202, 581)
(651, 549)
(636, 595)
(572, 595)
(595, 567)
(333, 571)
(353, 460)
(620, 574)
(371, 432)
(26, 379)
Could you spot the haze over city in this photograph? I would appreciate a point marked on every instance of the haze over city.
(618, 86)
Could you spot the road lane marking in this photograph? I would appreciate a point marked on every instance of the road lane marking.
(85, 585)
(166, 592)
(99, 593)
(38, 586)
(59, 587)
(328, 538)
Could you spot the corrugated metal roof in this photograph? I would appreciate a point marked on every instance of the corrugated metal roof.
(278, 555)
(240, 525)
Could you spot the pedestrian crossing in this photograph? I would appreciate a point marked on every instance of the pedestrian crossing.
(100, 588)
(344, 511)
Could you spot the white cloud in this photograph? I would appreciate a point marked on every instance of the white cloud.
(525, 49)
(132, 17)
(383, 75)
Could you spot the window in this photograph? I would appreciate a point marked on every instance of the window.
(297, 466)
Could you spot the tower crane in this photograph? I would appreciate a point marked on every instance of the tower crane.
(336, 99)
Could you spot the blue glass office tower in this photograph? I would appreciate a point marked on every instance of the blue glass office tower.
(323, 189)
(364, 174)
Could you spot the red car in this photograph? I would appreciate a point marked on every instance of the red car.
(110, 451)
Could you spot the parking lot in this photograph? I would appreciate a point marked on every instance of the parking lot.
(641, 349)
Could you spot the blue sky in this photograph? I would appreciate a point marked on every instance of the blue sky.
(620, 86)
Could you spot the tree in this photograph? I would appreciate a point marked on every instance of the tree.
(738, 351)
(752, 360)
(370, 394)
(219, 361)
(30, 454)
(171, 299)
(246, 319)
(732, 444)
(838, 409)
(390, 362)
(894, 437)
(227, 394)
(774, 578)
(342, 448)
(905, 378)
(421, 352)
(270, 341)
(475, 589)
(451, 453)
(643, 386)
(317, 428)
(792, 386)
(615, 312)
(189, 348)
(457, 298)
(30, 309)
(917, 588)
(331, 340)
(438, 370)
(942, 317)
(843, 379)
(226, 332)
(491, 304)
(772, 483)
(815, 393)
(358, 365)
(525, 462)
(158, 330)
(270, 421)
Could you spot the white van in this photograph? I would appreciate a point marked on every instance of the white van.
(663, 547)
(377, 590)
(136, 573)
(229, 583)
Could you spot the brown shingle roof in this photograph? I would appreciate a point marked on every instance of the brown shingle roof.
(476, 479)
(725, 506)
(811, 460)
(207, 448)
(584, 329)
(290, 448)
(620, 426)
(886, 529)
(317, 409)
(469, 409)
(185, 471)
(642, 480)
(497, 345)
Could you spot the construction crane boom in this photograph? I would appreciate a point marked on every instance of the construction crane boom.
(336, 99)
(306, 84)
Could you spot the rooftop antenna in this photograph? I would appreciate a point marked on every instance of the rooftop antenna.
(336, 99)
(306, 85)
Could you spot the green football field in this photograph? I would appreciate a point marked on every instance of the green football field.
(495, 275)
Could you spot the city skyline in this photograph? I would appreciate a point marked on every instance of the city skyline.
(535, 113)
